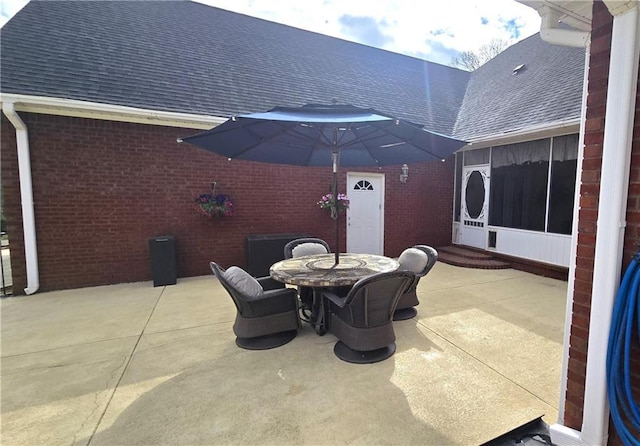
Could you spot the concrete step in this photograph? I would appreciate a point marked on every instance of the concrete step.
(457, 256)
(461, 251)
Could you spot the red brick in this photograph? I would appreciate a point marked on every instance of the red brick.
(593, 151)
(580, 320)
(599, 69)
(633, 216)
(593, 176)
(584, 275)
(592, 137)
(597, 96)
(575, 388)
(589, 202)
(586, 239)
(573, 421)
(103, 188)
(578, 357)
(590, 213)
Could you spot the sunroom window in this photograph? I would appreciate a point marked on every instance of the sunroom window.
(563, 183)
(533, 184)
(519, 177)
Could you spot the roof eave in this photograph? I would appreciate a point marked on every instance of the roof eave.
(110, 112)
(546, 130)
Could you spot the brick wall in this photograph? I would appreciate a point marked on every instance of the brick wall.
(102, 189)
(589, 193)
(594, 135)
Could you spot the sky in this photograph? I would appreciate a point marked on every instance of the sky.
(434, 30)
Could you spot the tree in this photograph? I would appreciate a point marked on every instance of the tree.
(471, 60)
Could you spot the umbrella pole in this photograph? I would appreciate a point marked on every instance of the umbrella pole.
(337, 224)
(334, 186)
(336, 214)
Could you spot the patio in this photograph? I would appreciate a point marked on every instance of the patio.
(134, 364)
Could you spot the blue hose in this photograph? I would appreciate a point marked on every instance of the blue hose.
(625, 412)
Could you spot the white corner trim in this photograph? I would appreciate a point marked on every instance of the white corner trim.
(96, 110)
(574, 243)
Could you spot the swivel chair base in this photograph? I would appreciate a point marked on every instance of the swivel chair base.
(266, 342)
(363, 357)
(404, 314)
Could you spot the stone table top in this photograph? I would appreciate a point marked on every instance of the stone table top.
(320, 270)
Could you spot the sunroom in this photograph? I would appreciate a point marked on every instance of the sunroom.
(518, 199)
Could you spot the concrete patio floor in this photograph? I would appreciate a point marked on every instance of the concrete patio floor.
(132, 364)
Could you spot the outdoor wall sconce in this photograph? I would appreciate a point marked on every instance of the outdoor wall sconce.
(404, 173)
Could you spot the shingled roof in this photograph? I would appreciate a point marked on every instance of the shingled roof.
(546, 89)
(186, 57)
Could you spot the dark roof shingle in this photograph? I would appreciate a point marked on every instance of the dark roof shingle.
(187, 57)
(546, 90)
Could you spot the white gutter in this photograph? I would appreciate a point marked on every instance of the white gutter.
(614, 188)
(96, 110)
(620, 107)
(26, 195)
(556, 128)
(12, 103)
(614, 184)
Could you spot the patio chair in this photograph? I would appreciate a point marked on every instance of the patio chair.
(267, 315)
(418, 259)
(305, 247)
(362, 320)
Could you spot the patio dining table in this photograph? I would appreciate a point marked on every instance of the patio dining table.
(320, 271)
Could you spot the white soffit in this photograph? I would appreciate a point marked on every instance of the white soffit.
(577, 13)
(573, 13)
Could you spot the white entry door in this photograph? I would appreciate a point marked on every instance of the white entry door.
(475, 206)
(365, 216)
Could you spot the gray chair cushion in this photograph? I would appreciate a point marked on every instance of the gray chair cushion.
(308, 249)
(413, 259)
(243, 281)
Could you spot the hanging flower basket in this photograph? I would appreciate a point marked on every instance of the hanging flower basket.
(335, 206)
(212, 206)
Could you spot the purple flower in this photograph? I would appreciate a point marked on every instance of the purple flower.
(212, 206)
(327, 202)
(204, 198)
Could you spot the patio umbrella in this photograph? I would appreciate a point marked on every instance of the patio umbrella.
(325, 135)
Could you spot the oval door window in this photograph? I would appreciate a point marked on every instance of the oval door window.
(474, 194)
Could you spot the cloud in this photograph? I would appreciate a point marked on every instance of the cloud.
(365, 30)
(440, 32)
(9, 8)
(512, 27)
(439, 53)
(426, 29)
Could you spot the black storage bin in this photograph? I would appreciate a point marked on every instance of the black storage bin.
(163, 260)
(263, 250)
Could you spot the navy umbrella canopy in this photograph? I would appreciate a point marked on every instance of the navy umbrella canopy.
(325, 135)
(307, 135)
